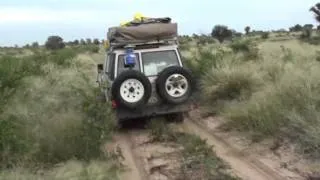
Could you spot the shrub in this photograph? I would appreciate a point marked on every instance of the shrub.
(76, 42)
(96, 41)
(82, 42)
(318, 56)
(203, 60)
(69, 170)
(62, 57)
(88, 41)
(306, 33)
(48, 112)
(265, 35)
(70, 137)
(287, 54)
(35, 45)
(247, 29)
(247, 47)
(314, 40)
(287, 108)
(296, 28)
(241, 45)
(230, 82)
(54, 43)
(94, 49)
(221, 32)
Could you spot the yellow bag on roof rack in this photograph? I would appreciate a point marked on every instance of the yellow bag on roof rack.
(138, 17)
(124, 23)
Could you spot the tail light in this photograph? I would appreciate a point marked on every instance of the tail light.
(114, 104)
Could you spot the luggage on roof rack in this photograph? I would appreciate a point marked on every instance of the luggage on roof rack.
(142, 32)
(136, 45)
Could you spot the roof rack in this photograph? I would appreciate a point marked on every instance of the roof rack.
(171, 41)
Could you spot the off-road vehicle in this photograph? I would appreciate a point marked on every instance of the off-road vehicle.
(143, 74)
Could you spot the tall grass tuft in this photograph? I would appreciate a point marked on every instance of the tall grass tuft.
(275, 96)
(48, 112)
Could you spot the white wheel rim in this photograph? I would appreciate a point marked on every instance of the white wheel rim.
(131, 90)
(177, 85)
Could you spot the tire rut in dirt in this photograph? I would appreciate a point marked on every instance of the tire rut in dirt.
(244, 166)
(135, 169)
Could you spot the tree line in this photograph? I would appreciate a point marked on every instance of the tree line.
(219, 32)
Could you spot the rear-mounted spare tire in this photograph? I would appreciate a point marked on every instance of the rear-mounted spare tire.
(175, 84)
(131, 89)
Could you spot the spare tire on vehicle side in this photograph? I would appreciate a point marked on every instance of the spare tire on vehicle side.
(175, 84)
(131, 89)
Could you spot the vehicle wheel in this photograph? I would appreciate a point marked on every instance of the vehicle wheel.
(175, 117)
(131, 89)
(175, 84)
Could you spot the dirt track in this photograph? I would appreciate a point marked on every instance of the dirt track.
(244, 166)
(150, 161)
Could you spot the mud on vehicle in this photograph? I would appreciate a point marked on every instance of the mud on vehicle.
(143, 75)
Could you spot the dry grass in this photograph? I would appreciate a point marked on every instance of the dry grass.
(275, 95)
(77, 170)
(49, 116)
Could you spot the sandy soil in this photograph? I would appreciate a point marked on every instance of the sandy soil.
(280, 157)
(148, 160)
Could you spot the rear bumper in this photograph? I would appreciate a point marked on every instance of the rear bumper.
(124, 114)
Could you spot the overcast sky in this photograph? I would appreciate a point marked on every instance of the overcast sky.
(26, 21)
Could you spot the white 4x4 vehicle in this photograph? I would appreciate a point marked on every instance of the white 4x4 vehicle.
(155, 84)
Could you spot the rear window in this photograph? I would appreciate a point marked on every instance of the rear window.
(155, 62)
(121, 67)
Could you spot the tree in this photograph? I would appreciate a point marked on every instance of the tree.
(96, 41)
(247, 29)
(83, 42)
(318, 28)
(306, 33)
(76, 42)
(308, 26)
(35, 45)
(316, 10)
(265, 35)
(54, 43)
(89, 41)
(296, 28)
(221, 32)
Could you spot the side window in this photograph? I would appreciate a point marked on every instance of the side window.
(121, 67)
(110, 65)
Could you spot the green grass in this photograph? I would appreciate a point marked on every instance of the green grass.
(93, 170)
(276, 95)
(48, 112)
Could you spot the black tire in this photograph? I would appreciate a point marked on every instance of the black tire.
(161, 84)
(131, 74)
